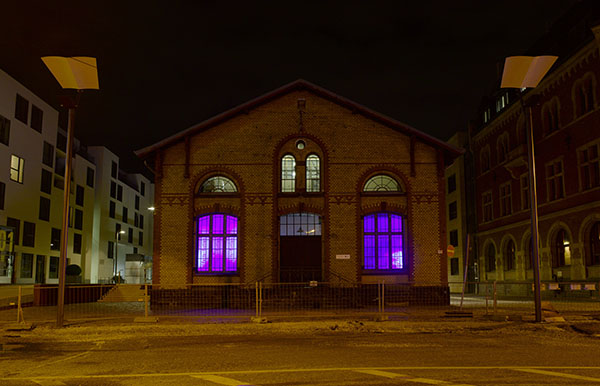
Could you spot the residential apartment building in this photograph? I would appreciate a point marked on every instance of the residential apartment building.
(461, 216)
(123, 219)
(566, 117)
(33, 150)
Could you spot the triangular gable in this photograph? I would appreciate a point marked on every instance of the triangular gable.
(300, 84)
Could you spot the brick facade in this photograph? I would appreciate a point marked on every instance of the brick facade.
(246, 145)
(562, 130)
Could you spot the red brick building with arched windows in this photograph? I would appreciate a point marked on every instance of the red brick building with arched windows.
(299, 184)
(566, 120)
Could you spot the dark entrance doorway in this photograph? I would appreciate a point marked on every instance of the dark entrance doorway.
(40, 269)
(300, 258)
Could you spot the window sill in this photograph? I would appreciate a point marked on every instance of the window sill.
(366, 272)
(196, 273)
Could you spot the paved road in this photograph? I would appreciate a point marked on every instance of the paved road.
(315, 353)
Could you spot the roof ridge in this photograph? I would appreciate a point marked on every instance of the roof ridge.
(287, 88)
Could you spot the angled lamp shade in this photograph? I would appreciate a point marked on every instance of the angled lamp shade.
(525, 71)
(78, 72)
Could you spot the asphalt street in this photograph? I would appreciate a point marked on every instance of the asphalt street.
(303, 353)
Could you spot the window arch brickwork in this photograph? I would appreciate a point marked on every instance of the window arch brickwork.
(593, 245)
(308, 171)
(502, 146)
(490, 257)
(383, 241)
(583, 95)
(551, 116)
(509, 255)
(561, 253)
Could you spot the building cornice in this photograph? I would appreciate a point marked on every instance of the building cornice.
(560, 74)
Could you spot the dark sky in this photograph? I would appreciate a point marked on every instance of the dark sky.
(166, 65)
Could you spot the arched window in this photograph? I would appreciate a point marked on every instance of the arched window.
(594, 245)
(550, 116)
(313, 173)
(288, 173)
(529, 253)
(381, 183)
(218, 184)
(561, 253)
(583, 95)
(217, 246)
(490, 258)
(485, 159)
(502, 147)
(383, 241)
(509, 256)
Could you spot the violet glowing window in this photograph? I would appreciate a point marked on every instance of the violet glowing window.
(383, 241)
(217, 243)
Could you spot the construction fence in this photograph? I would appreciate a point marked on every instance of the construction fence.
(280, 300)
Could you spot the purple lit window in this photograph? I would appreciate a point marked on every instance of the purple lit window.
(217, 224)
(217, 243)
(383, 242)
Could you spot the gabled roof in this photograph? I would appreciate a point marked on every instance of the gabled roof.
(300, 84)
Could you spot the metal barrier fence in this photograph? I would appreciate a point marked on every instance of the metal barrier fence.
(264, 300)
(578, 297)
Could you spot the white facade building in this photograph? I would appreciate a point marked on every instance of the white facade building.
(32, 150)
(122, 205)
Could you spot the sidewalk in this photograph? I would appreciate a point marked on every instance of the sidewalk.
(124, 313)
(9, 293)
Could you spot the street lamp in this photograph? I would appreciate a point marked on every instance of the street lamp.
(116, 262)
(522, 72)
(77, 73)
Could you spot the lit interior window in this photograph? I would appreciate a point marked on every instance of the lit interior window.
(217, 243)
(288, 173)
(383, 241)
(313, 173)
(381, 183)
(218, 184)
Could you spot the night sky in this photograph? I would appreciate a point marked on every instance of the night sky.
(164, 66)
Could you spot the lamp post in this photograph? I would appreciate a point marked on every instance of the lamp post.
(116, 267)
(522, 72)
(77, 73)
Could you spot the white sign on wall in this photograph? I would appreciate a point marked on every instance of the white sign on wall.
(342, 257)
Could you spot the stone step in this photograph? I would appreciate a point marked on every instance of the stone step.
(123, 293)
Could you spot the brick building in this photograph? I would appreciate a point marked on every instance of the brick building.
(299, 184)
(566, 117)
